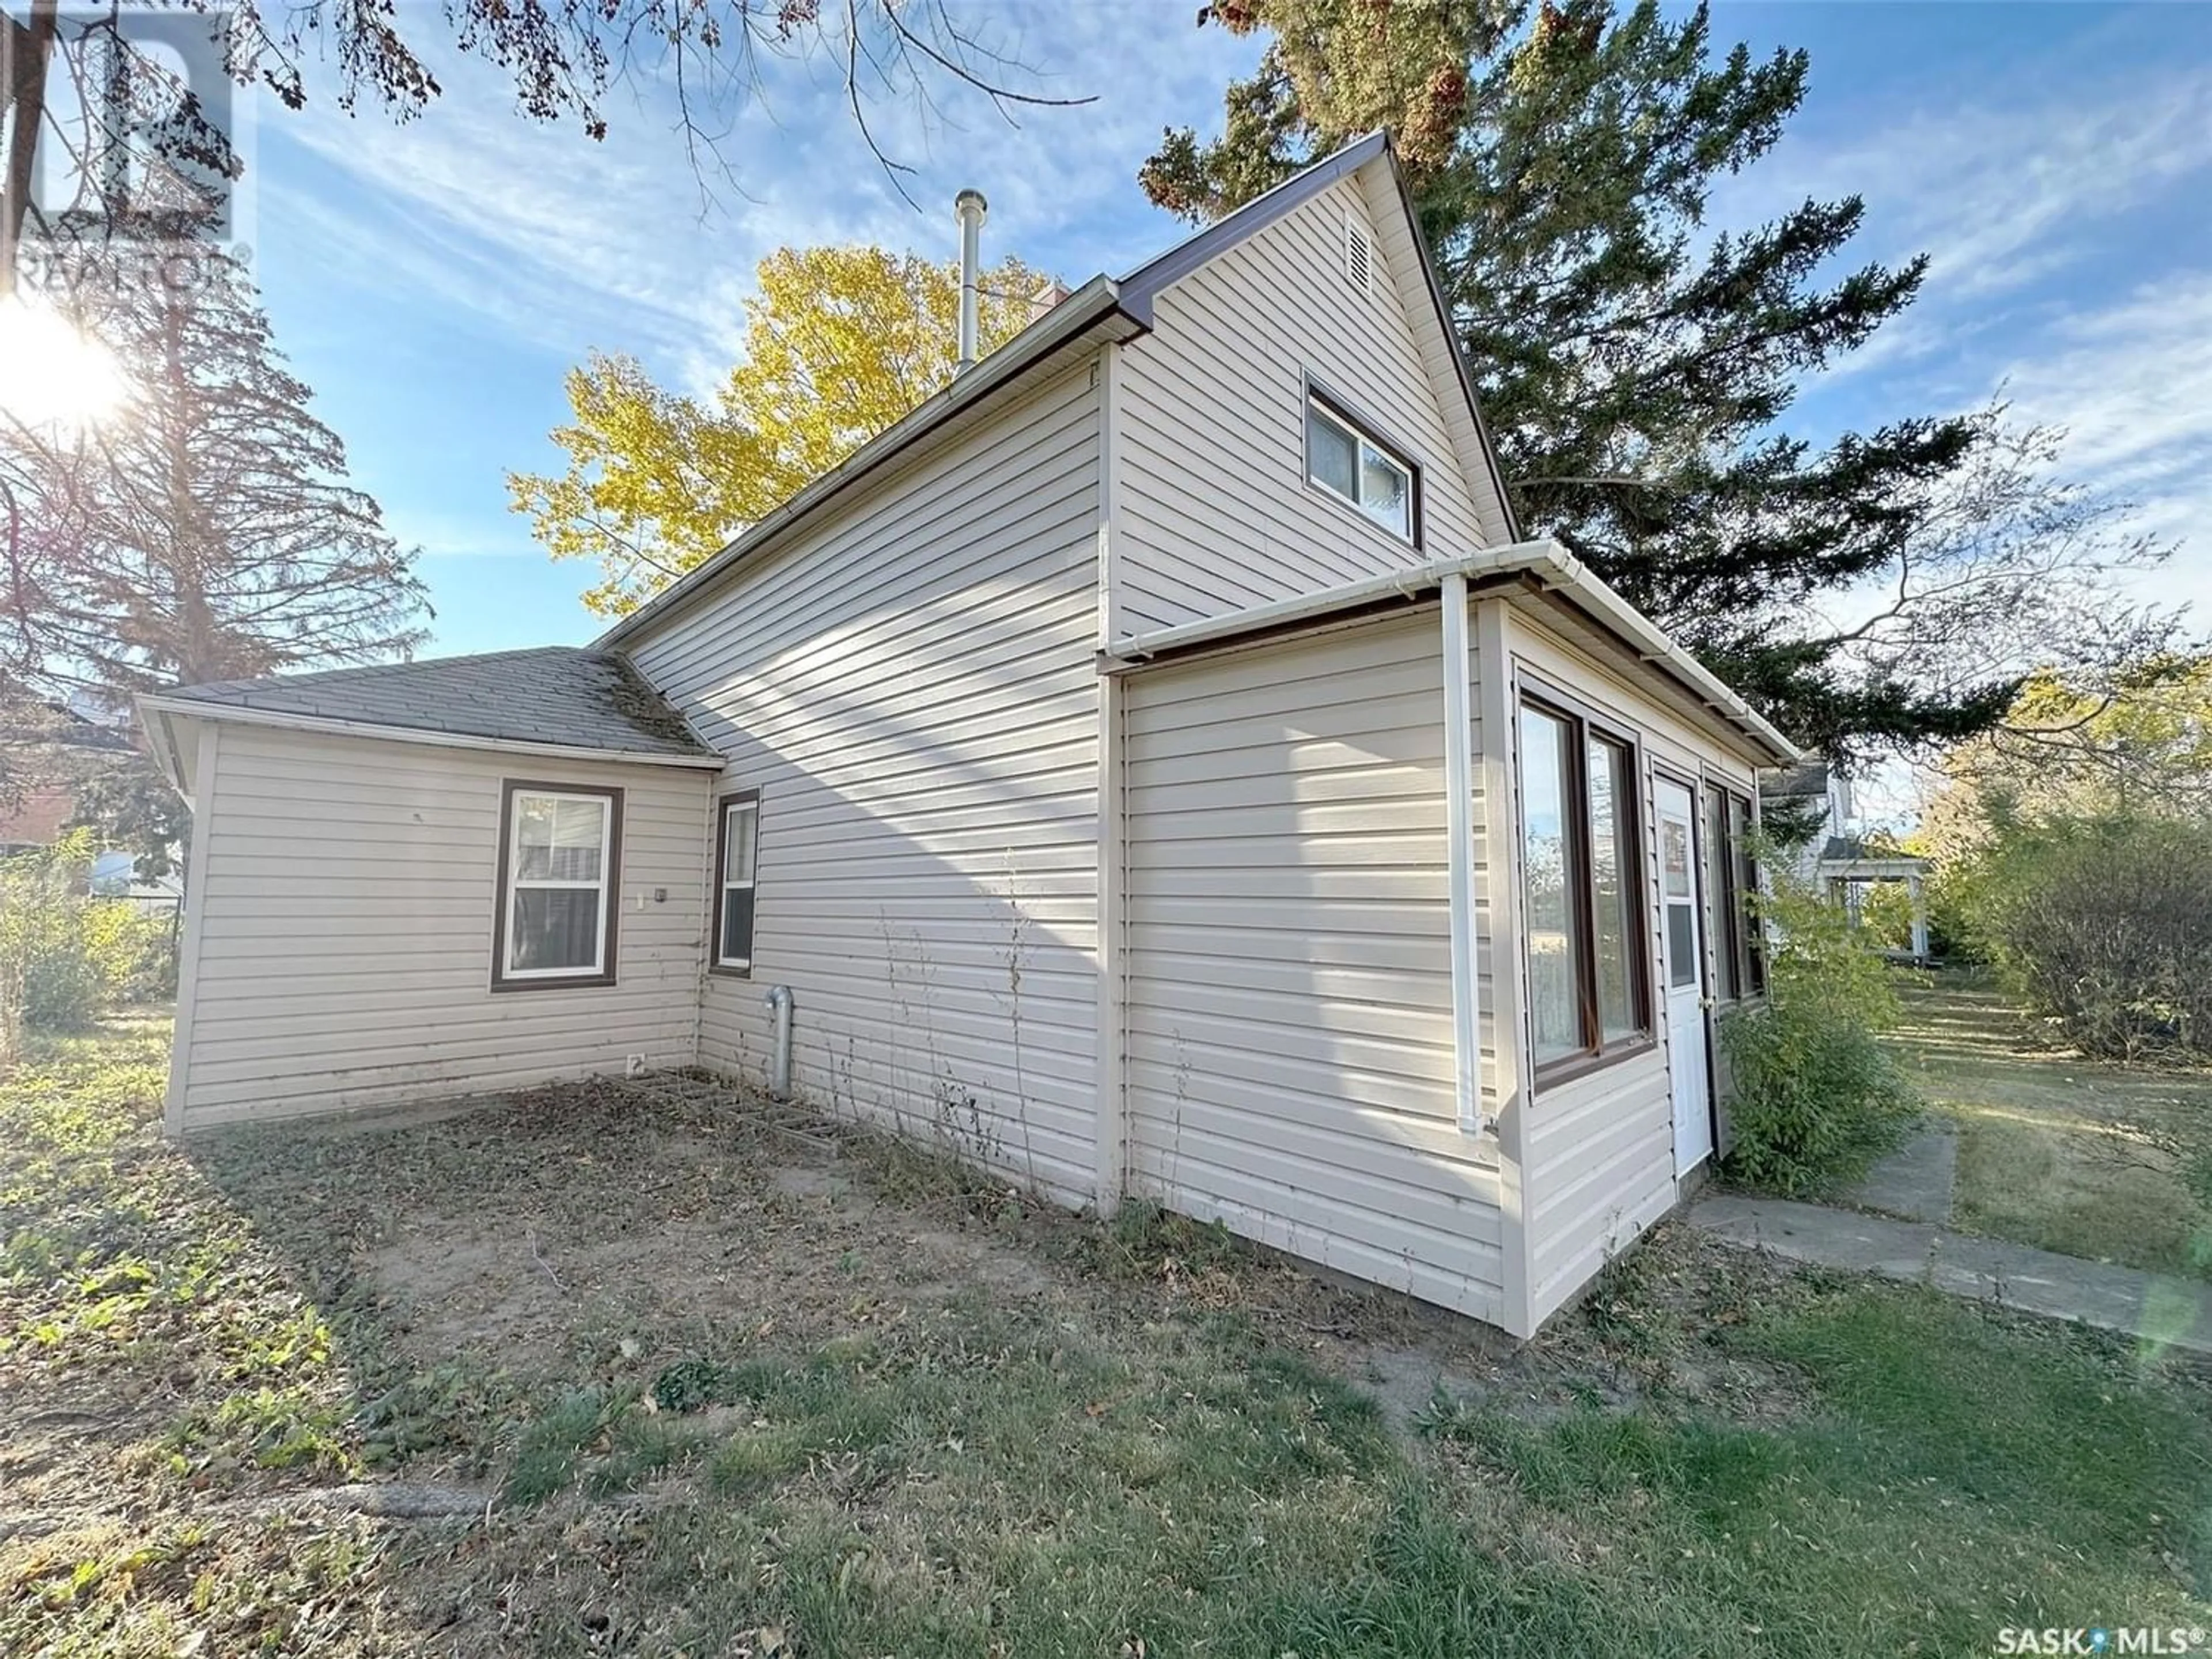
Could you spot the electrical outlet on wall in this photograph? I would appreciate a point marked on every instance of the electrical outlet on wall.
(634, 1065)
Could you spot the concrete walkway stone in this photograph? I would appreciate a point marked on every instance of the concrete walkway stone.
(1915, 1181)
(2163, 1312)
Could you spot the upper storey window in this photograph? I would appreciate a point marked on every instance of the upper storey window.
(1358, 468)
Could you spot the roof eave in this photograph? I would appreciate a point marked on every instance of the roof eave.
(1552, 565)
(1143, 285)
(288, 720)
(161, 738)
(1091, 305)
(1460, 364)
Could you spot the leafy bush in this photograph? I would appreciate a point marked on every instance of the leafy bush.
(2104, 925)
(1817, 1096)
(65, 956)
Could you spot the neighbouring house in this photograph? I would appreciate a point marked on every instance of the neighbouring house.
(1156, 766)
(1832, 851)
(51, 753)
(49, 749)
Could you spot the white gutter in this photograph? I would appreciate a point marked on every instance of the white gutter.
(1459, 830)
(191, 709)
(1559, 571)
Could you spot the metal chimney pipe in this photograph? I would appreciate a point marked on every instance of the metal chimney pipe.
(969, 208)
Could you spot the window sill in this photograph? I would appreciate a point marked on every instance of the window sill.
(730, 970)
(580, 983)
(1573, 1067)
(1359, 514)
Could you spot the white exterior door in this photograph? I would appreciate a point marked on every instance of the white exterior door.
(1681, 915)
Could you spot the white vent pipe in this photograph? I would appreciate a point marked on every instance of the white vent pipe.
(969, 209)
(779, 1000)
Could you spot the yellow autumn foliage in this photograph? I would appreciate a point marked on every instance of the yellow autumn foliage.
(840, 342)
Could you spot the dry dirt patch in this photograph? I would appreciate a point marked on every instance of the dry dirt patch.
(599, 1371)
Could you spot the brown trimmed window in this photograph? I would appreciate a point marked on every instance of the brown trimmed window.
(1589, 952)
(1350, 463)
(1732, 877)
(736, 851)
(560, 854)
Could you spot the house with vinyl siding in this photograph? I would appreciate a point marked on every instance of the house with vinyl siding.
(1156, 766)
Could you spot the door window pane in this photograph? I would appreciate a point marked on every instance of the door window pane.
(1674, 856)
(1613, 860)
(1681, 945)
(1546, 762)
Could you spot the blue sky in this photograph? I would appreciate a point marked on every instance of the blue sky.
(433, 281)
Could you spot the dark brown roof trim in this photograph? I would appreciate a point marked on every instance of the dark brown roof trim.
(1139, 287)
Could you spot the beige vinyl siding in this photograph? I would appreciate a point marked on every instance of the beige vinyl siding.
(1599, 1149)
(345, 925)
(1215, 510)
(1290, 1063)
(910, 687)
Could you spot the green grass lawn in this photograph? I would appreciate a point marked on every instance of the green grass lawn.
(700, 1394)
(2056, 1151)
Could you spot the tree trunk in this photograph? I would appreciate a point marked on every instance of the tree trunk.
(25, 53)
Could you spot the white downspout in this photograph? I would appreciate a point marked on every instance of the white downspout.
(969, 209)
(1459, 831)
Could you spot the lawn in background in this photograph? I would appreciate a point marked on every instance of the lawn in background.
(2057, 1151)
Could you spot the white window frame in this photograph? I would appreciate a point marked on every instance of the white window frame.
(745, 803)
(1364, 445)
(604, 886)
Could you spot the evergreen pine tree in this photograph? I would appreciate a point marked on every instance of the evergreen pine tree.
(1633, 363)
(206, 530)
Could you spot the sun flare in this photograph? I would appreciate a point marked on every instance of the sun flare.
(52, 373)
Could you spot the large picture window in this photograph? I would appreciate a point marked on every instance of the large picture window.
(1588, 954)
(560, 851)
(737, 851)
(1732, 877)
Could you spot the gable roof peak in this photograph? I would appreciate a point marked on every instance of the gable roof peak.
(1141, 285)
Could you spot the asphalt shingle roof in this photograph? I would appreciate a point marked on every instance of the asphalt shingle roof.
(561, 693)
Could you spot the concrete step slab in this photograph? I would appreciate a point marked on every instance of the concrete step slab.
(2164, 1312)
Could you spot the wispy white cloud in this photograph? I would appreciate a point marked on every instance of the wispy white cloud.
(2131, 383)
(2033, 192)
(562, 243)
(2005, 188)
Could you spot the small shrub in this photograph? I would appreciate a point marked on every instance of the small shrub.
(1817, 1096)
(2104, 926)
(67, 955)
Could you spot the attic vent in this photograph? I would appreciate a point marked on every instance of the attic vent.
(1358, 256)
